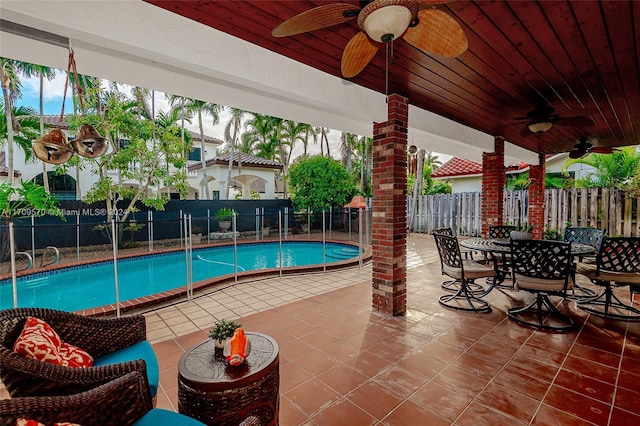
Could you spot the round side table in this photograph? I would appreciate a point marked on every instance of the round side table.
(216, 393)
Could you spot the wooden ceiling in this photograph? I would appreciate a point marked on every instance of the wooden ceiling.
(581, 57)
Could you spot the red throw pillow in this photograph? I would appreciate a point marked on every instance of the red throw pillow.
(39, 341)
(27, 422)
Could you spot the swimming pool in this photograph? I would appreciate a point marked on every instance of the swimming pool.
(90, 286)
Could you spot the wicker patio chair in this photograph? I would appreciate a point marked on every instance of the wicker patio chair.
(543, 268)
(121, 401)
(617, 264)
(102, 338)
(464, 272)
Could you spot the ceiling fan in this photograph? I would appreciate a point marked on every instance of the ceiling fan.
(544, 116)
(584, 147)
(416, 21)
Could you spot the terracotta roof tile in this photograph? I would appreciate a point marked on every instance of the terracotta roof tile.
(249, 160)
(458, 167)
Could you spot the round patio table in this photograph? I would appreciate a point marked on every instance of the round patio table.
(216, 393)
(501, 246)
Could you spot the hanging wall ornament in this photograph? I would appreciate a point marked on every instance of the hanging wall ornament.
(53, 147)
(88, 142)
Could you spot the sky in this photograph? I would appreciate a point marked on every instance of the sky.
(54, 91)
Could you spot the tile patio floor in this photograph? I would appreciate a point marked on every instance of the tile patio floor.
(343, 364)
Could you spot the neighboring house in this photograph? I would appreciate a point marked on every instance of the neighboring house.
(4, 170)
(257, 173)
(466, 175)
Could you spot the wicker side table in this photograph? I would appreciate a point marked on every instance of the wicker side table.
(218, 394)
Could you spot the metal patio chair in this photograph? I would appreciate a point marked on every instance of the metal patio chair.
(543, 268)
(464, 272)
(617, 264)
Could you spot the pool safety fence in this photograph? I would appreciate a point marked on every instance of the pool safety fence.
(28, 249)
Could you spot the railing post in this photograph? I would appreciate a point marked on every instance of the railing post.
(235, 245)
(114, 241)
(12, 247)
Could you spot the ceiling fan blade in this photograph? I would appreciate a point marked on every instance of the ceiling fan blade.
(577, 154)
(437, 33)
(424, 4)
(601, 150)
(316, 18)
(574, 121)
(359, 52)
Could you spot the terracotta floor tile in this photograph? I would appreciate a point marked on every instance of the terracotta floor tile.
(291, 376)
(476, 366)
(578, 405)
(532, 368)
(316, 362)
(289, 414)
(400, 381)
(542, 355)
(559, 342)
(342, 379)
(603, 357)
(367, 363)
(376, 400)
(422, 363)
(480, 415)
(312, 396)
(551, 416)
(517, 382)
(624, 418)
(585, 385)
(410, 414)
(344, 413)
(460, 381)
(591, 369)
(494, 354)
(629, 400)
(628, 381)
(510, 403)
(441, 400)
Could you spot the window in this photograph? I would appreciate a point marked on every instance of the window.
(195, 155)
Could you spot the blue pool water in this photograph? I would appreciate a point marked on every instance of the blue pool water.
(91, 286)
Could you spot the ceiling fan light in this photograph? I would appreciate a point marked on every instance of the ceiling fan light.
(540, 127)
(387, 23)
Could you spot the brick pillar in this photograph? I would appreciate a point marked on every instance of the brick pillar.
(390, 209)
(536, 197)
(493, 181)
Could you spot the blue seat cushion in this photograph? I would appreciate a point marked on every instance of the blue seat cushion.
(160, 417)
(140, 350)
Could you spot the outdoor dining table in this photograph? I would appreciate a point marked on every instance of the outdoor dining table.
(501, 246)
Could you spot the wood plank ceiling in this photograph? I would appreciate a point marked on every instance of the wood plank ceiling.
(581, 57)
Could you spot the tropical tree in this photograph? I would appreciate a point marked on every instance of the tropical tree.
(27, 129)
(309, 132)
(290, 133)
(231, 130)
(11, 87)
(199, 108)
(320, 182)
(42, 72)
(260, 136)
(610, 170)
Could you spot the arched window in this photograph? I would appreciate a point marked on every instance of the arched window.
(62, 186)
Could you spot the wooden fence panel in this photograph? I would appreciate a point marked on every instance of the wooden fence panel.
(604, 208)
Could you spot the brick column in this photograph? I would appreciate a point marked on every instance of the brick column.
(390, 209)
(536, 197)
(493, 181)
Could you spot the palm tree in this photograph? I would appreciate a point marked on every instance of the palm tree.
(611, 170)
(324, 140)
(231, 137)
(199, 108)
(259, 136)
(9, 70)
(309, 131)
(27, 128)
(290, 133)
(348, 144)
(42, 72)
